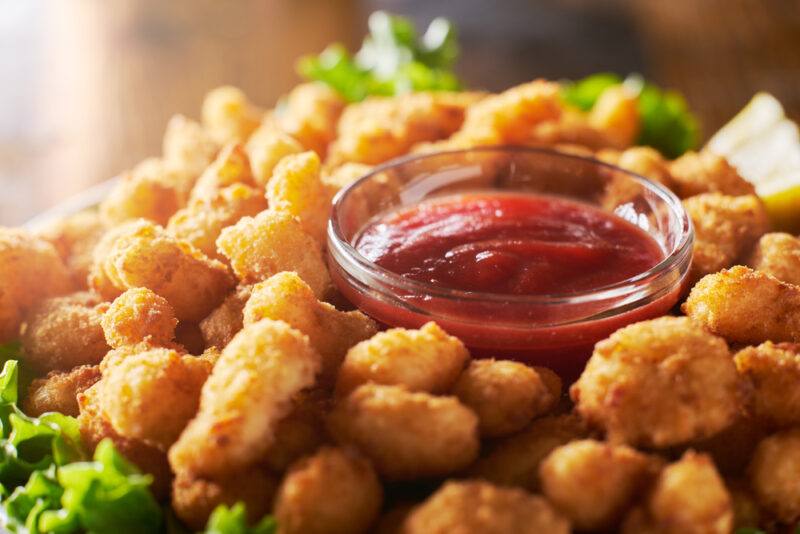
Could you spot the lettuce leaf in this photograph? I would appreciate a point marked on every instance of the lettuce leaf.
(233, 520)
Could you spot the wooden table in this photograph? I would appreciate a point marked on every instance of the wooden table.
(89, 84)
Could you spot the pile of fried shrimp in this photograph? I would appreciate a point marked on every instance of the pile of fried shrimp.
(191, 319)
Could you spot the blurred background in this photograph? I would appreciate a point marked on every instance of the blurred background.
(89, 84)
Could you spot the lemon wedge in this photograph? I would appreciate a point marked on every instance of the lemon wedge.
(764, 146)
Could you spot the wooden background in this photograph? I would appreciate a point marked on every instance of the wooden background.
(89, 84)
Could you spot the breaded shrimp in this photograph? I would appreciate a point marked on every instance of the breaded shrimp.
(269, 243)
(250, 389)
(343, 175)
(150, 190)
(58, 391)
(695, 173)
(286, 297)
(64, 332)
(332, 492)
(138, 316)
(659, 383)
(300, 433)
(232, 166)
(475, 506)
(187, 146)
(407, 435)
(75, 238)
(427, 359)
(774, 371)
(228, 115)
(746, 306)
(310, 115)
(616, 115)
(266, 147)
(226, 319)
(774, 474)
(506, 395)
(777, 254)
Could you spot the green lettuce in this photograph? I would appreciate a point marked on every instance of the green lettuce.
(233, 520)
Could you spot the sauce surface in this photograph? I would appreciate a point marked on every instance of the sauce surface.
(508, 243)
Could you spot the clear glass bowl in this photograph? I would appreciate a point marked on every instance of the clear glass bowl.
(556, 330)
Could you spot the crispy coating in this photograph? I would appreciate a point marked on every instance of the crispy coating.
(471, 506)
(149, 191)
(695, 173)
(593, 483)
(310, 115)
(725, 227)
(269, 243)
(64, 332)
(193, 498)
(689, 497)
(381, 128)
(187, 146)
(201, 222)
(300, 433)
(58, 391)
(266, 147)
(774, 474)
(152, 395)
(75, 238)
(427, 359)
(746, 306)
(506, 395)
(616, 115)
(286, 297)
(228, 115)
(227, 319)
(774, 371)
(332, 492)
(777, 254)
(145, 255)
(515, 460)
(344, 175)
(407, 435)
(250, 389)
(659, 383)
(97, 280)
(138, 316)
(296, 188)
(30, 271)
(232, 166)
(642, 160)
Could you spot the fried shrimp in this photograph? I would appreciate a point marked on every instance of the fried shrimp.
(474, 506)
(506, 395)
(616, 116)
(144, 255)
(774, 474)
(774, 371)
(407, 435)
(228, 115)
(286, 297)
(659, 383)
(227, 319)
(332, 492)
(232, 166)
(695, 173)
(746, 306)
(58, 391)
(777, 254)
(310, 115)
(75, 238)
(301, 432)
(187, 146)
(139, 316)
(427, 359)
(593, 483)
(250, 389)
(266, 147)
(64, 332)
(269, 243)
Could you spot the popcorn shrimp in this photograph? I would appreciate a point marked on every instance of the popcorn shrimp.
(188, 147)
(75, 238)
(228, 115)
(310, 116)
(148, 191)
(775, 474)
(58, 391)
(774, 371)
(695, 173)
(232, 166)
(137, 316)
(266, 147)
(226, 319)
(777, 254)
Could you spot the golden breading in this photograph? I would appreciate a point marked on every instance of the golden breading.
(300, 433)
(137, 316)
(515, 460)
(407, 435)
(774, 474)
(64, 332)
(249, 391)
(725, 230)
(512, 116)
(75, 238)
(188, 147)
(226, 320)
(201, 222)
(194, 499)
(506, 395)
(427, 359)
(97, 280)
(145, 255)
(232, 166)
(286, 297)
(152, 395)
(344, 175)
(261, 246)
(228, 115)
(642, 160)
(593, 483)
(332, 492)
(746, 306)
(550, 379)
(774, 371)
(777, 254)
(58, 391)
(310, 115)
(30, 271)
(659, 383)
(297, 189)
(695, 173)
(616, 116)
(689, 497)
(479, 507)
(266, 147)
(151, 191)
(381, 128)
